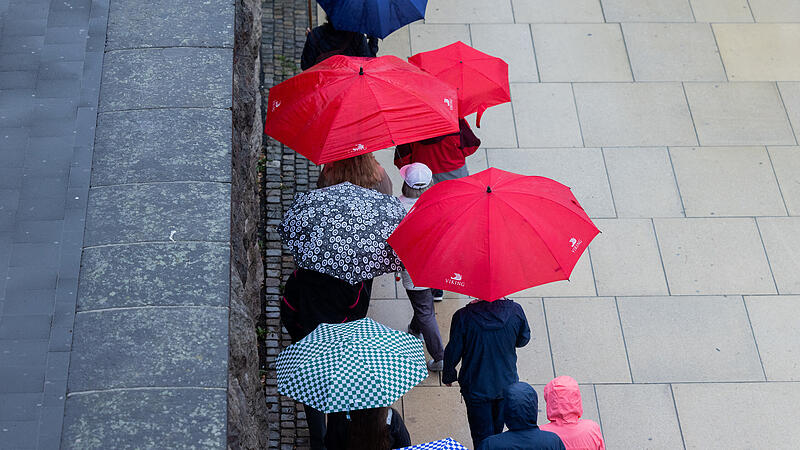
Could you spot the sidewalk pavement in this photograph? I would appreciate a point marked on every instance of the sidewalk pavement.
(676, 124)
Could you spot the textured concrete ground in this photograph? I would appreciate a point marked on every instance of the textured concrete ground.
(676, 123)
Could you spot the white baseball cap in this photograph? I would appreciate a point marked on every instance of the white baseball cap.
(416, 175)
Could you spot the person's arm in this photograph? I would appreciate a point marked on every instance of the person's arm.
(524, 333)
(453, 351)
(399, 432)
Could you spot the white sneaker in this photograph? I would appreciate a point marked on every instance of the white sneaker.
(436, 366)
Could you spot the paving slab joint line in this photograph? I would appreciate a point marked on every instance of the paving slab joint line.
(786, 112)
(677, 415)
(118, 244)
(126, 49)
(775, 174)
(128, 308)
(660, 256)
(624, 342)
(719, 52)
(766, 255)
(675, 178)
(627, 53)
(755, 340)
(149, 108)
(147, 388)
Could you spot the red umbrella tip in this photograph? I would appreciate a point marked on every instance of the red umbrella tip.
(361, 71)
(488, 189)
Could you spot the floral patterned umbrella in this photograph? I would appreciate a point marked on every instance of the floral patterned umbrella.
(341, 231)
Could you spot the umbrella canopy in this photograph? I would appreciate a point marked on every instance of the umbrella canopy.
(493, 233)
(441, 444)
(377, 18)
(481, 79)
(341, 231)
(349, 366)
(346, 106)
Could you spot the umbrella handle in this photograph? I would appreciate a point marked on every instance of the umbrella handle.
(310, 25)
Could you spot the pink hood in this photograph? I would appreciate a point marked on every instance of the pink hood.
(563, 399)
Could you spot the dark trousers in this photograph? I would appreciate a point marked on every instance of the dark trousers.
(485, 419)
(316, 427)
(424, 321)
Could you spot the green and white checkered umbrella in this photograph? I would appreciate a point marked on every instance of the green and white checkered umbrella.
(350, 366)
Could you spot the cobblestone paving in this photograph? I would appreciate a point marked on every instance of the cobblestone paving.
(51, 54)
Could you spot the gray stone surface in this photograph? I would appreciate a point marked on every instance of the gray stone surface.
(148, 418)
(158, 212)
(774, 321)
(162, 145)
(163, 23)
(638, 416)
(166, 77)
(145, 347)
(165, 274)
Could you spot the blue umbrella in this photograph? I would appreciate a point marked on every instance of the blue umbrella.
(442, 444)
(377, 18)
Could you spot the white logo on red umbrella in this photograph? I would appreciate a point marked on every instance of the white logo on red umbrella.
(449, 103)
(275, 104)
(359, 148)
(455, 280)
(575, 243)
(456, 276)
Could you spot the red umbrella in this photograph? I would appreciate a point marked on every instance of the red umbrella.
(493, 233)
(346, 106)
(481, 79)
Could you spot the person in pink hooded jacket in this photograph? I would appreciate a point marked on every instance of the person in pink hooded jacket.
(564, 411)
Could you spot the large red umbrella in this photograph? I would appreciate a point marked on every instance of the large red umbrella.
(493, 233)
(481, 79)
(346, 106)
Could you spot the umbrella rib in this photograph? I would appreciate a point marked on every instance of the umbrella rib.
(380, 108)
(553, 201)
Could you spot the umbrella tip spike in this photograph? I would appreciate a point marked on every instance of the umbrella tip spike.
(361, 71)
(488, 189)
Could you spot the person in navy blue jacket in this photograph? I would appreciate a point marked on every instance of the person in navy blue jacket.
(520, 411)
(484, 337)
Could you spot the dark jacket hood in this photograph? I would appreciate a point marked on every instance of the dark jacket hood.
(521, 406)
(492, 315)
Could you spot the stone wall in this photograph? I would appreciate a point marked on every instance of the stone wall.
(247, 413)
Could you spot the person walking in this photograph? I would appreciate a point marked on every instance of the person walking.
(417, 178)
(564, 411)
(520, 413)
(325, 41)
(446, 156)
(361, 170)
(484, 337)
(367, 429)
(311, 298)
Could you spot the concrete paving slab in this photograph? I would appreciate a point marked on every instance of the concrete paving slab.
(383, 287)
(162, 145)
(739, 114)
(790, 94)
(427, 423)
(581, 52)
(163, 274)
(165, 211)
(469, 11)
(774, 321)
(655, 195)
(545, 115)
(759, 52)
(430, 36)
(397, 44)
(586, 339)
(626, 259)
(775, 10)
(557, 11)
(151, 417)
(511, 43)
(710, 180)
(783, 252)
(634, 114)
(580, 283)
(140, 347)
(721, 11)
(673, 52)
(786, 162)
(647, 10)
(638, 416)
(588, 401)
(534, 363)
(698, 339)
(166, 77)
(498, 129)
(581, 169)
(736, 431)
(713, 256)
(167, 23)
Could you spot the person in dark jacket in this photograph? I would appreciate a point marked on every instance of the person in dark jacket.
(325, 41)
(520, 411)
(484, 337)
(367, 429)
(311, 298)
